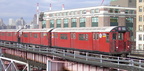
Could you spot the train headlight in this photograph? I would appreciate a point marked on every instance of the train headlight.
(117, 47)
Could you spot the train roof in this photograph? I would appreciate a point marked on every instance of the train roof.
(9, 30)
(86, 29)
(35, 30)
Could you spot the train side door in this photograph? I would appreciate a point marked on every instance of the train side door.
(114, 42)
(73, 39)
(121, 43)
(95, 41)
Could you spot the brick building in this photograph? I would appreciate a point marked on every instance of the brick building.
(91, 17)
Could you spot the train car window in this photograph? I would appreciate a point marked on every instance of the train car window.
(25, 35)
(30, 34)
(63, 36)
(114, 36)
(120, 36)
(81, 36)
(35, 35)
(86, 36)
(3, 34)
(107, 37)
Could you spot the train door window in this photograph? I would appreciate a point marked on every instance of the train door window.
(41, 34)
(73, 36)
(35, 36)
(114, 36)
(30, 34)
(107, 37)
(95, 36)
(120, 36)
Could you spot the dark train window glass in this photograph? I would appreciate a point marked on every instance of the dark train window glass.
(114, 36)
(63, 36)
(8, 34)
(3, 34)
(25, 35)
(107, 37)
(83, 36)
(35, 35)
(73, 36)
(95, 36)
(120, 36)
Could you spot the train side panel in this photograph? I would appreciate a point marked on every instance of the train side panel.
(45, 38)
(83, 40)
(25, 37)
(35, 38)
(62, 39)
(101, 42)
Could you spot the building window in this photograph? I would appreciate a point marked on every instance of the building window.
(140, 8)
(140, 37)
(82, 22)
(140, 18)
(140, 27)
(51, 23)
(65, 22)
(74, 22)
(110, 10)
(143, 37)
(84, 12)
(43, 24)
(114, 21)
(130, 0)
(131, 11)
(140, 46)
(126, 11)
(94, 22)
(140, 0)
(96, 10)
(143, 27)
(92, 11)
(116, 10)
(63, 36)
(58, 23)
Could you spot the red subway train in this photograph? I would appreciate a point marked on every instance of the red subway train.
(106, 40)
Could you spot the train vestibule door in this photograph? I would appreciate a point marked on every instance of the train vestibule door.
(73, 39)
(118, 43)
(95, 41)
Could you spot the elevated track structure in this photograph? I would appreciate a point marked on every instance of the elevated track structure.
(26, 54)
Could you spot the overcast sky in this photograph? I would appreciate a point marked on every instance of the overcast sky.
(27, 8)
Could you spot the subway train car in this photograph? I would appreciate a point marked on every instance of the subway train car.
(106, 40)
(40, 37)
(9, 35)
